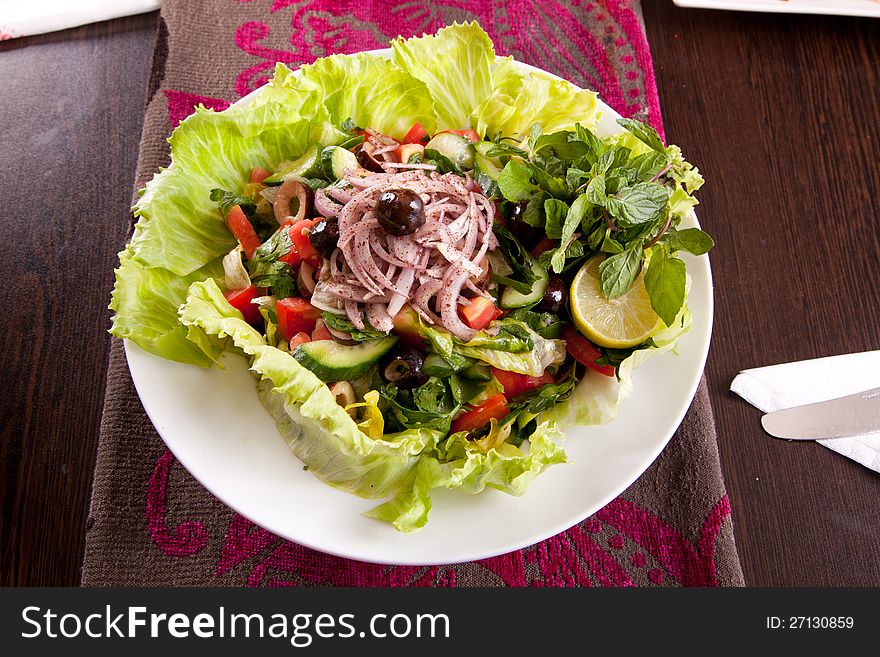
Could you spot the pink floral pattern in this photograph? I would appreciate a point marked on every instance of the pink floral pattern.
(622, 544)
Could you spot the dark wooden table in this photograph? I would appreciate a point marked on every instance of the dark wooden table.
(781, 114)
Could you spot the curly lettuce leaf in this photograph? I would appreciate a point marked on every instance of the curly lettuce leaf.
(145, 302)
(371, 91)
(318, 431)
(455, 64)
(519, 99)
(461, 464)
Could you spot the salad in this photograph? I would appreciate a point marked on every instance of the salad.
(432, 262)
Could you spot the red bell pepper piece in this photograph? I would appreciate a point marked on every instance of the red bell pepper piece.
(241, 300)
(244, 232)
(479, 416)
(584, 351)
(479, 314)
(296, 315)
(515, 384)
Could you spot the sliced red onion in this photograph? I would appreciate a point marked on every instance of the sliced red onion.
(404, 284)
(354, 315)
(447, 300)
(405, 165)
(379, 317)
(306, 279)
(325, 206)
(269, 193)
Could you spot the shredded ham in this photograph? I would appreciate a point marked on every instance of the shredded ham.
(372, 274)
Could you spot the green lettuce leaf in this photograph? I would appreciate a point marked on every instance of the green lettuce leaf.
(315, 427)
(371, 91)
(455, 64)
(460, 464)
(145, 302)
(543, 354)
(520, 99)
(179, 227)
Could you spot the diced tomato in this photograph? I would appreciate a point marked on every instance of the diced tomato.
(244, 232)
(321, 333)
(296, 315)
(406, 326)
(470, 134)
(479, 313)
(241, 301)
(416, 135)
(298, 339)
(301, 247)
(544, 244)
(480, 415)
(515, 384)
(584, 351)
(259, 174)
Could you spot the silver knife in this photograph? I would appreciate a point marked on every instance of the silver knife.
(844, 417)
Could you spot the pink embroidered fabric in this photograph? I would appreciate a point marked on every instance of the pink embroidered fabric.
(152, 524)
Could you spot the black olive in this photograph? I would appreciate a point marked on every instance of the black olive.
(366, 160)
(324, 236)
(400, 211)
(527, 235)
(404, 369)
(554, 296)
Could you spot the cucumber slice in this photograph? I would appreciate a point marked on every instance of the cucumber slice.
(510, 298)
(478, 372)
(307, 166)
(331, 361)
(457, 149)
(336, 160)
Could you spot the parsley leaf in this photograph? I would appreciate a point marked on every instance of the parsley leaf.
(267, 270)
(227, 200)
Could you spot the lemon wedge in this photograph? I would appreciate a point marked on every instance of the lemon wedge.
(618, 323)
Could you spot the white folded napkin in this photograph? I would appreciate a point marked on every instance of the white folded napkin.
(19, 18)
(805, 382)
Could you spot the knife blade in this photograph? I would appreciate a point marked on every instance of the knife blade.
(844, 417)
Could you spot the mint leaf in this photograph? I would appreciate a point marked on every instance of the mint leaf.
(644, 133)
(550, 184)
(555, 211)
(692, 240)
(558, 145)
(595, 191)
(502, 149)
(648, 165)
(665, 282)
(639, 204)
(534, 212)
(515, 182)
(617, 272)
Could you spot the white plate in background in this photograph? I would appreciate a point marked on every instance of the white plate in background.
(869, 8)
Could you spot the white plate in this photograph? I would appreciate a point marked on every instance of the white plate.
(838, 7)
(214, 423)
